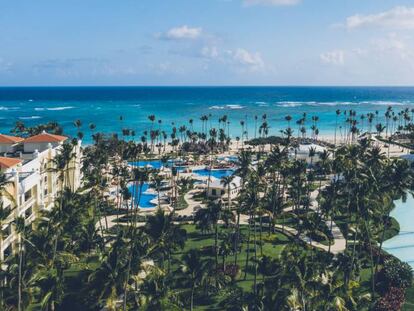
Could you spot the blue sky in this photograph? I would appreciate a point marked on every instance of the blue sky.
(207, 42)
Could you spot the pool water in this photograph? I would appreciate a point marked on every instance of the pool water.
(154, 163)
(145, 198)
(215, 173)
(402, 245)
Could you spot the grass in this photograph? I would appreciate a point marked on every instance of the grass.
(409, 299)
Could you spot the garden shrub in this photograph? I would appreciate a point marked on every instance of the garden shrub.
(398, 274)
(392, 301)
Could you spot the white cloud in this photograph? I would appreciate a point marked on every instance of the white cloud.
(400, 17)
(394, 46)
(5, 65)
(335, 57)
(270, 2)
(210, 52)
(182, 33)
(243, 57)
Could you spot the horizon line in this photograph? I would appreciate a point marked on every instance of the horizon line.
(205, 86)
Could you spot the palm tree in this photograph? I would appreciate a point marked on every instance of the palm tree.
(20, 229)
(157, 183)
(5, 181)
(195, 270)
(140, 176)
(288, 118)
(227, 182)
(165, 236)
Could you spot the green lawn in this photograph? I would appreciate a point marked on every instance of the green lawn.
(409, 299)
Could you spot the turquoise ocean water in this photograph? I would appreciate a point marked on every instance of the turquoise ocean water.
(104, 105)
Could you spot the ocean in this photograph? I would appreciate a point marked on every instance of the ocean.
(175, 106)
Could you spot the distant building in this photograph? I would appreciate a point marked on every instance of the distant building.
(218, 190)
(33, 180)
(302, 152)
(8, 144)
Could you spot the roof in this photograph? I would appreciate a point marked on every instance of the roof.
(45, 138)
(7, 139)
(8, 162)
(305, 148)
(216, 183)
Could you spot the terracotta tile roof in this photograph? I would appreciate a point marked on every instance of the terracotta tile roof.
(7, 139)
(8, 162)
(45, 138)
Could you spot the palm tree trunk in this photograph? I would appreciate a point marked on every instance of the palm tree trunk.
(248, 248)
(255, 256)
(133, 239)
(216, 243)
(236, 242)
(371, 257)
(380, 245)
(192, 297)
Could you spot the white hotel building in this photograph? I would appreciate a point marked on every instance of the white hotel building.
(32, 183)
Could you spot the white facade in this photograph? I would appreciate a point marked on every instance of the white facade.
(302, 152)
(217, 190)
(7, 148)
(33, 187)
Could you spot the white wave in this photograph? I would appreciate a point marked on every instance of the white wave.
(216, 107)
(53, 108)
(8, 108)
(290, 104)
(333, 104)
(30, 100)
(137, 105)
(385, 103)
(30, 118)
(60, 108)
(262, 104)
(234, 106)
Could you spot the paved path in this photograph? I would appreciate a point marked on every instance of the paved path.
(189, 199)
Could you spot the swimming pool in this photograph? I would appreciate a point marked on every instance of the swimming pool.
(215, 173)
(145, 201)
(153, 163)
(157, 164)
(402, 245)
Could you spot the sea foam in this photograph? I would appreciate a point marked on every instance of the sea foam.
(30, 118)
(232, 107)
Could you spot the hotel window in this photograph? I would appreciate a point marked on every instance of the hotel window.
(222, 192)
(8, 251)
(213, 192)
(28, 212)
(7, 231)
(45, 191)
(27, 195)
(7, 209)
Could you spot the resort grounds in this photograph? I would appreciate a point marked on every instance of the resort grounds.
(204, 222)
